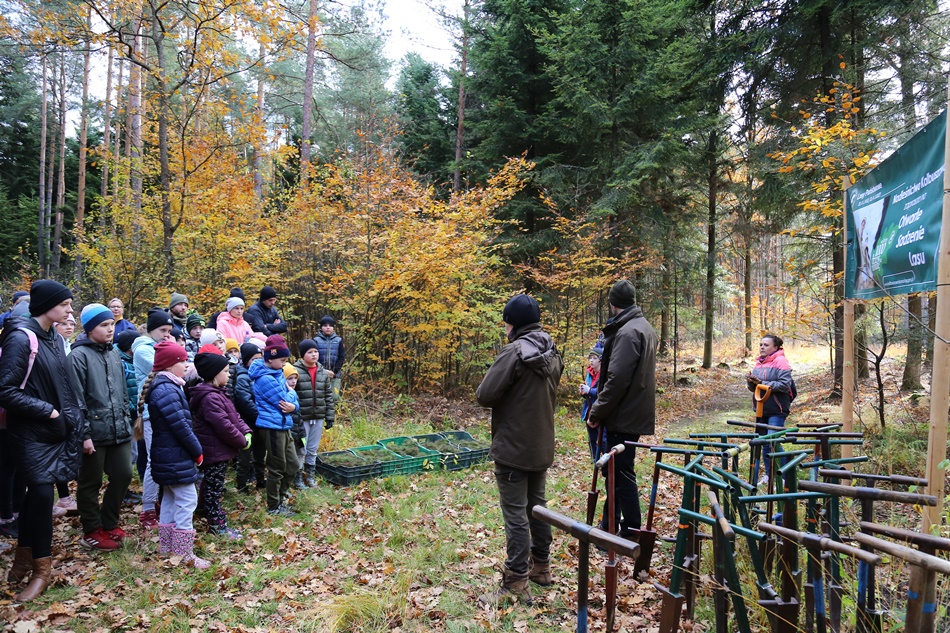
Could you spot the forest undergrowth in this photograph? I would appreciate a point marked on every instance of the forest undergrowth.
(413, 553)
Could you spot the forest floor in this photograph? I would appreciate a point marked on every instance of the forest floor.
(413, 553)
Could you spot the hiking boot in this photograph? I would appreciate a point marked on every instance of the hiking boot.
(514, 588)
(39, 580)
(310, 476)
(148, 519)
(281, 511)
(298, 481)
(539, 572)
(98, 540)
(22, 564)
(117, 534)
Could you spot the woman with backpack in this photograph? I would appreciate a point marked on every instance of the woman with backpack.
(773, 371)
(45, 423)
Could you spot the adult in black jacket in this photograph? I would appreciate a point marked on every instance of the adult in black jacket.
(46, 424)
(263, 316)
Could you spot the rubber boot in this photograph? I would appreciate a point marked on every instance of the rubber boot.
(39, 581)
(539, 571)
(514, 588)
(22, 565)
(165, 532)
(183, 544)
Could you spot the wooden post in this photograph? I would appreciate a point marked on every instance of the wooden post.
(847, 374)
(940, 380)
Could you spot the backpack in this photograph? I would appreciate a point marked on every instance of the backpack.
(792, 391)
(34, 350)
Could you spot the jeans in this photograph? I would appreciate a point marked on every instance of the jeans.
(627, 501)
(178, 505)
(115, 461)
(768, 449)
(519, 491)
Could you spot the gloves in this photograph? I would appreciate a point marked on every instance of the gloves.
(247, 440)
(328, 424)
(200, 459)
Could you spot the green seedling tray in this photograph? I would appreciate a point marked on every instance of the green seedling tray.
(346, 475)
(429, 460)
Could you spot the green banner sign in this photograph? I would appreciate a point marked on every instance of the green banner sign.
(894, 216)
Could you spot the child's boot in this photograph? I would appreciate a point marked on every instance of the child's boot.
(298, 481)
(165, 532)
(22, 565)
(183, 544)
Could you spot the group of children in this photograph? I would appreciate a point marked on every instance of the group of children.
(200, 401)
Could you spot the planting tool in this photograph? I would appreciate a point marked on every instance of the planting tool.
(610, 569)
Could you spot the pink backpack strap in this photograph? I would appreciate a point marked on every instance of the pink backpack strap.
(34, 349)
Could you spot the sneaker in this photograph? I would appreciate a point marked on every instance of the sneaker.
(99, 540)
(10, 529)
(132, 498)
(58, 512)
(69, 505)
(148, 519)
(228, 532)
(763, 481)
(117, 534)
(281, 511)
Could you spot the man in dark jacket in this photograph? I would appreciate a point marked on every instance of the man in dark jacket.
(521, 388)
(626, 398)
(45, 422)
(104, 396)
(263, 316)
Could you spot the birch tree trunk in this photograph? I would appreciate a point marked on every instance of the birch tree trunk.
(61, 180)
(83, 138)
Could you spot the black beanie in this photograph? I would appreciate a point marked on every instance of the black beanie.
(157, 318)
(237, 292)
(124, 341)
(268, 292)
(521, 310)
(622, 294)
(327, 320)
(248, 351)
(209, 365)
(306, 345)
(46, 294)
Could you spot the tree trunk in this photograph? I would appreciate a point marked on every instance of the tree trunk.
(135, 143)
(460, 131)
(61, 181)
(83, 138)
(117, 151)
(710, 249)
(106, 148)
(305, 131)
(931, 326)
(911, 379)
(667, 279)
(747, 287)
(260, 131)
(41, 241)
(163, 116)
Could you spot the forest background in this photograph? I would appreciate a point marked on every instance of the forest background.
(698, 148)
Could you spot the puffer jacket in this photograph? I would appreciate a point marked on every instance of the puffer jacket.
(521, 390)
(131, 384)
(103, 395)
(262, 319)
(270, 388)
(218, 426)
(316, 397)
(143, 357)
(46, 450)
(241, 391)
(775, 372)
(332, 351)
(626, 395)
(174, 445)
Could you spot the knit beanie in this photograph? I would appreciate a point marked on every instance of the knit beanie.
(230, 343)
(257, 339)
(622, 294)
(177, 334)
(177, 298)
(237, 292)
(167, 353)
(46, 294)
(194, 320)
(94, 314)
(124, 341)
(208, 336)
(268, 292)
(597, 350)
(306, 345)
(157, 318)
(248, 351)
(276, 347)
(209, 365)
(327, 320)
(521, 310)
(20, 293)
(233, 302)
(210, 348)
(290, 370)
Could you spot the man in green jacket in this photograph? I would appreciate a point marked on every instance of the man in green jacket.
(626, 397)
(521, 389)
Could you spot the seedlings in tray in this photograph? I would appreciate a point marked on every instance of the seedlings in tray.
(344, 459)
(377, 454)
(407, 449)
(443, 446)
(472, 444)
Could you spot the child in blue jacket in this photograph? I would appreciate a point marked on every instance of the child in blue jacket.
(276, 404)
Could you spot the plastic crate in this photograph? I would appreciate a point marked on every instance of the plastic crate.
(475, 455)
(454, 460)
(392, 466)
(346, 475)
(430, 460)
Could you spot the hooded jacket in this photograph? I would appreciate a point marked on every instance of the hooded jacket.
(521, 389)
(229, 327)
(131, 384)
(270, 388)
(316, 397)
(103, 395)
(626, 394)
(46, 450)
(775, 372)
(174, 445)
(218, 426)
